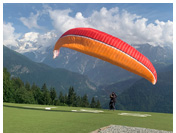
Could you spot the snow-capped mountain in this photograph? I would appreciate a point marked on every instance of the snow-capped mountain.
(97, 70)
(156, 54)
(39, 48)
(35, 45)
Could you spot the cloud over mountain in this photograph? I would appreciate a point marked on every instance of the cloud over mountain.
(9, 35)
(131, 28)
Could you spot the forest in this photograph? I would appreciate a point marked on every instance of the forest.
(16, 91)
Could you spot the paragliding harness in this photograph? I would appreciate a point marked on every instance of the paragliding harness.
(112, 101)
(111, 104)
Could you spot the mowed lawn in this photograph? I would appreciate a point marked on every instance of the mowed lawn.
(27, 118)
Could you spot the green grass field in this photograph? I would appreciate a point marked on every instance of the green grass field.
(27, 118)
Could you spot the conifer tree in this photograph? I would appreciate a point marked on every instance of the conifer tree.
(98, 105)
(53, 95)
(61, 97)
(27, 86)
(44, 88)
(46, 95)
(85, 102)
(38, 96)
(65, 99)
(14, 90)
(71, 101)
(8, 91)
(93, 103)
(78, 101)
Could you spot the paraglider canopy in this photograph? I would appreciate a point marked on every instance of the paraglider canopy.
(108, 48)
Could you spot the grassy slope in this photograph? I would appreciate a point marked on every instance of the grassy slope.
(17, 118)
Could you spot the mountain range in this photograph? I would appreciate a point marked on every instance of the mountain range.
(20, 66)
(98, 78)
(99, 71)
(142, 96)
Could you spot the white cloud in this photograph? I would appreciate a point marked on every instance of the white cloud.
(31, 21)
(33, 41)
(9, 35)
(131, 28)
(30, 41)
(62, 21)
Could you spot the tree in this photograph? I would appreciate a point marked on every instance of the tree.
(71, 101)
(17, 83)
(44, 88)
(8, 91)
(57, 102)
(84, 101)
(53, 95)
(46, 98)
(78, 101)
(23, 96)
(65, 99)
(38, 95)
(27, 86)
(61, 97)
(19, 89)
(93, 103)
(98, 105)
(46, 95)
(14, 90)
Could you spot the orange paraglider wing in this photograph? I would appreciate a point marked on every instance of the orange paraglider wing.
(108, 48)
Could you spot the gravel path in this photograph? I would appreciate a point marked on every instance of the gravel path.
(126, 129)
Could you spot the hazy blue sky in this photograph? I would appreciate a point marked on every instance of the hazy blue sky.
(134, 23)
(153, 11)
